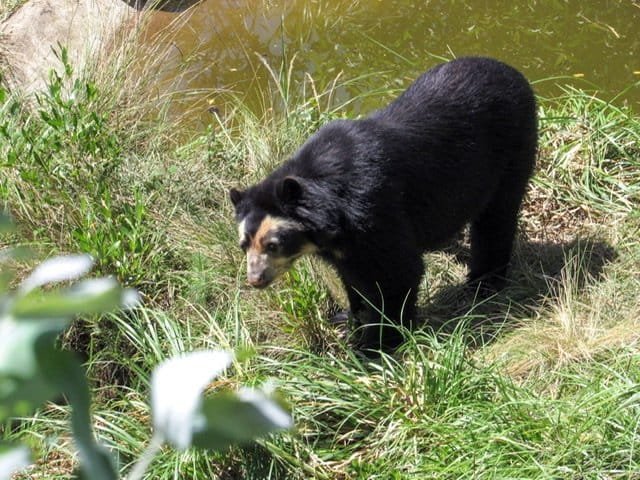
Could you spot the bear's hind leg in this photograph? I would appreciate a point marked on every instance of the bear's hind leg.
(493, 233)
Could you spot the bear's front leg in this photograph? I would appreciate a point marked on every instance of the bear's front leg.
(382, 293)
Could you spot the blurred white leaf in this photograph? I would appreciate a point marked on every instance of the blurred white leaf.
(176, 392)
(13, 461)
(95, 295)
(94, 286)
(130, 298)
(57, 269)
(14, 335)
(268, 407)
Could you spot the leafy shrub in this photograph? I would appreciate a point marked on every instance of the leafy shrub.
(34, 370)
(61, 175)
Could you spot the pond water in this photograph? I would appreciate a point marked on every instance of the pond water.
(382, 44)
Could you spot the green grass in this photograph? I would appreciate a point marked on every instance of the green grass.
(540, 381)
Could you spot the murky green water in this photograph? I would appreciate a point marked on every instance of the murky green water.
(591, 44)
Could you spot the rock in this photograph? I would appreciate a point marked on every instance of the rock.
(29, 37)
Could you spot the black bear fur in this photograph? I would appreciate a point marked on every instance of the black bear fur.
(457, 147)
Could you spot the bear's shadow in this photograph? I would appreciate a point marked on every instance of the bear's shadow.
(536, 277)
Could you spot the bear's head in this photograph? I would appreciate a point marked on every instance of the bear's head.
(268, 233)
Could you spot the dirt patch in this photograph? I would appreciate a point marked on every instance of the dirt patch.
(546, 219)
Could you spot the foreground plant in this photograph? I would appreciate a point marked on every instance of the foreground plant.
(34, 370)
(183, 418)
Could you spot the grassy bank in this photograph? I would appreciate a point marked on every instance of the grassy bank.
(540, 381)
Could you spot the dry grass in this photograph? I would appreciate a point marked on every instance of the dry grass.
(582, 319)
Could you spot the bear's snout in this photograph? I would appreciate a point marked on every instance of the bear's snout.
(258, 280)
(259, 273)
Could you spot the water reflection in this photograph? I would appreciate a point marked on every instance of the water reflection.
(388, 42)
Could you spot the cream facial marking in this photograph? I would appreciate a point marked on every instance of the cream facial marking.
(268, 229)
(267, 255)
(241, 231)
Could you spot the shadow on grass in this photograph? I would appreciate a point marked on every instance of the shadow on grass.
(535, 279)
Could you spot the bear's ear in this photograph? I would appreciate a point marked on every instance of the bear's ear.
(289, 190)
(236, 196)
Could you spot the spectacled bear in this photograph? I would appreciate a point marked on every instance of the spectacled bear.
(369, 196)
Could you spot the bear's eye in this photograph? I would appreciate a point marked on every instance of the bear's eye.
(271, 247)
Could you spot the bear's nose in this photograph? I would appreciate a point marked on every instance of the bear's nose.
(258, 280)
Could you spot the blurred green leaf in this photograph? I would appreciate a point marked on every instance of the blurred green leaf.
(63, 370)
(87, 297)
(19, 253)
(231, 419)
(6, 276)
(5, 223)
(23, 385)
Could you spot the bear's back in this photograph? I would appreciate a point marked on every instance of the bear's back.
(452, 137)
(468, 87)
